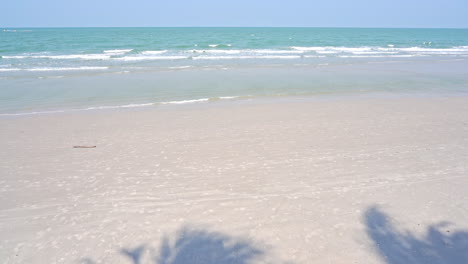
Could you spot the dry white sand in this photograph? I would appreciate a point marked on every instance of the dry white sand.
(362, 180)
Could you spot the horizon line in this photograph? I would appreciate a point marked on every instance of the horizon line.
(235, 27)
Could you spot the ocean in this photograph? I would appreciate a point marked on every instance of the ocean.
(67, 69)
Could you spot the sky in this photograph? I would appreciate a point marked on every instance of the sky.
(242, 13)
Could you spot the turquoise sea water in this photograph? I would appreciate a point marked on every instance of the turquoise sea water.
(55, 69)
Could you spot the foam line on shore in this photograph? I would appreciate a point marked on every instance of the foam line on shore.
(131, 105)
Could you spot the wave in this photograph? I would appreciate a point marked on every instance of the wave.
(332, 49)
(433, 51)
(187, 101)
(219, 45)
(269, 51)
(228, 97)
(201, 100)
(292, 52)
(154, 52)
(142, 58)
(55, 69)
(34, 113)
(377, 56)
(326, 51)
(180, 67)
(117, 51)
(374, 52)
(61, 57)
(118, 57)
(418, 49)
(244, 57)
(51, 77)
(116, 106)
(79, 109)
(202, 57)
(390, 49)
(110, 107)
(308, 48)
(247, 51)
(216, 51)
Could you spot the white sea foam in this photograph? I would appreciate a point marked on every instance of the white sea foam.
(213, 45)
(216, 51)
(327, 51)
(16, 57)
(418, 49)
(330, 50)
(117, 51)
(459, 50)
(85, 68)
(9, 70)
(136, 105)
(80, 109)
(33, 113)
(51, 77)
(308, 48)
(180, 67)
(117, 106)
(402, 56)
(154, 52)
(84, 57)
(55, 69)
(143, 58)
(346, 49)
(376, 56)
(373, 52)
(187, 101)
(109, 107)
(245, 57)
(61, 57)
(248, 51)
(268, 51)
(216, 57)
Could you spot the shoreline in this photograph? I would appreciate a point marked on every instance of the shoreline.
(242, 100)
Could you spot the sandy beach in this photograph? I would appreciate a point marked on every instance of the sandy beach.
(296, 180)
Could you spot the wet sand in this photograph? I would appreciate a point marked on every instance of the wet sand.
(300, 180)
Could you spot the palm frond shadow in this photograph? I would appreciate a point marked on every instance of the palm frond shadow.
(440, 244)
(194, 246)
(201, 246)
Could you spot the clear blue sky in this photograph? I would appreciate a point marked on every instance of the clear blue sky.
(301, 13)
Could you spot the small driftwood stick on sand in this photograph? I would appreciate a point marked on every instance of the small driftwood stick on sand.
(84, 146)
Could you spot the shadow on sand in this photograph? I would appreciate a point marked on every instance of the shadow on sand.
(439, 245)
(199, 246)
(194, 246)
